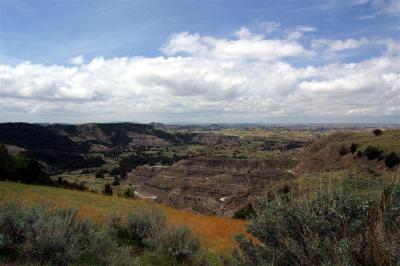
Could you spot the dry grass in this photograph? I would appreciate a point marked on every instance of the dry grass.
(215, 233)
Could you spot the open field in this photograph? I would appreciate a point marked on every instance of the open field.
(216, 233)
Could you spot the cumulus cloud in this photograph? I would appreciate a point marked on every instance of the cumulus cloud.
(247, 46)
(79, 60)
(203, 79)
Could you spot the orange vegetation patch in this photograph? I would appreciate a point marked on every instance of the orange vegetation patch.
(216, 233)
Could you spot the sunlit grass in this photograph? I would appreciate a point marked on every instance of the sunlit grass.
(216, 233)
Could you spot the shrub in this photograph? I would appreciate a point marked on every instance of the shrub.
(353, 147)
(128, 193)
(36, 235)
(178, 243)
(145, 224)
(116, 181)
(65, 184)
(99, 175)
(107, 190)
(343, 151)
(245, 213)
(147, 230)
(392, 160)
(115, 171)
(332, 229)
(377, 132)
(372, 152)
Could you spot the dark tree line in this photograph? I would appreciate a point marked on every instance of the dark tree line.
(21, 169)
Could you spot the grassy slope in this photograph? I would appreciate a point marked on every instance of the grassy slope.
(216, 233)
(321, 167)
(389, 141)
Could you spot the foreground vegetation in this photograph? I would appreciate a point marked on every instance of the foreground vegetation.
(331, 228)
(35, 234)
(337, 228)
(215, 233)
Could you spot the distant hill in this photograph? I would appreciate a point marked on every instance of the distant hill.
(65, 147)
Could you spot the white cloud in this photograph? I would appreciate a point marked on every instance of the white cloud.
(243, 79)
(247, 46)
(334, 46)
(79, 60)
(299, 31)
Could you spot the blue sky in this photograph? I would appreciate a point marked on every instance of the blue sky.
(77, 43)
(51, 32)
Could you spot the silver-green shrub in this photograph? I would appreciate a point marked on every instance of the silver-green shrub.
(336, 228)
(36, 235)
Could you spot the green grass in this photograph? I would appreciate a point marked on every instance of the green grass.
(362, 180)
(389, 141)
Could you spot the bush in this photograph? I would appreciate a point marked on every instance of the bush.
(115, 171)
(116, 181)
(392, 160)
(36, 235)
(99, 175)
(343, 151)
(332, 229)
(108, 190)
(353, 147)
(372, 152)
(178, 243)
(245, 213)
(147, 230)
(65, 184)
(128, 193)
(377, 132)
(145, 224)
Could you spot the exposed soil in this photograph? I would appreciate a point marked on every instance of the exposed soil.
(215, 185)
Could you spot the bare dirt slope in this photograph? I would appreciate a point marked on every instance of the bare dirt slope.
(211, 185)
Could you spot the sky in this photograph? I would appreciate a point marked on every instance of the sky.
(200, 61)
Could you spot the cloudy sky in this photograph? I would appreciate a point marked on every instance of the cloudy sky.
(200, 61)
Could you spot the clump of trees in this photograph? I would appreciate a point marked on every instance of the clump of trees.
(343, 150)
(392, 160)
(377, 132)
(353, 147)
(372, 152)
(128, 193)
(338, 228)
(108, 190)
(20, 169)
(99, 175)
(74, 186)
(140, 158)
